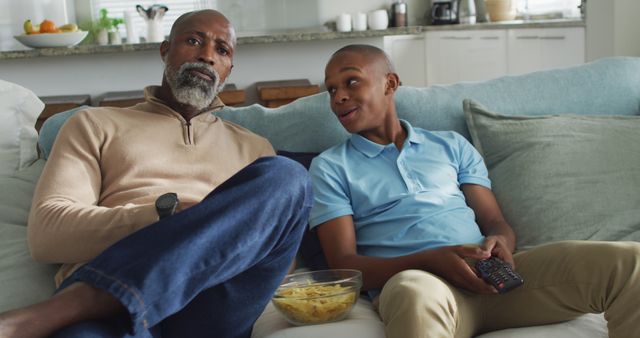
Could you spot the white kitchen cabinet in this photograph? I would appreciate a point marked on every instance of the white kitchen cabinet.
(471, 55)
(408, 57)
(534, 49)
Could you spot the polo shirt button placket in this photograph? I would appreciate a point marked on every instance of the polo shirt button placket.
(406, 175)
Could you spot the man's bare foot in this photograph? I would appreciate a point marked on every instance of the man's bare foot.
(76, 303)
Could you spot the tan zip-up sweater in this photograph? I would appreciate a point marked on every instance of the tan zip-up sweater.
(108, 165)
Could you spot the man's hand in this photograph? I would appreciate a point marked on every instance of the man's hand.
(450, 263)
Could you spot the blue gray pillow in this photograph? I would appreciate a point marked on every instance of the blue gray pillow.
(51, 127)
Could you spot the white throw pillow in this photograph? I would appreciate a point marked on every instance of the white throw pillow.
(19, 110)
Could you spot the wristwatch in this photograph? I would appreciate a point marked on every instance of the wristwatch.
(167, 204)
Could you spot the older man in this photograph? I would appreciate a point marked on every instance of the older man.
(167, 220)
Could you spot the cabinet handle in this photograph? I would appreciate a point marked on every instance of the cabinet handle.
(527, 37)
(552, 37)
(489, 38)
(455, 38)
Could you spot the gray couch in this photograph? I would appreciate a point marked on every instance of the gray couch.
(599, 104)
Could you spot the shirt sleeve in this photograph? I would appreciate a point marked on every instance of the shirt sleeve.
(66, 224)
(471, 166)
(331, 198)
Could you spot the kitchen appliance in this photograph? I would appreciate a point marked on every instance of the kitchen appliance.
(399, 14)
(444, 12)
(481, 11)
(467, 12)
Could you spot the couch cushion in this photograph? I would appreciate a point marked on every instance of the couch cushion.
(362, 322)
(50, 128)
(22, 281)
(19, 110)
(585, 326)
(310, 251)
(562, 177)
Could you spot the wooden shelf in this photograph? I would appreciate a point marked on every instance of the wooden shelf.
(122, 99)
(278, 93)
(231, 95)
(57, 104)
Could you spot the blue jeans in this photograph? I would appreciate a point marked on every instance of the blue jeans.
(209, 270)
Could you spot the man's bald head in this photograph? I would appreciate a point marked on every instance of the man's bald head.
(184, 20)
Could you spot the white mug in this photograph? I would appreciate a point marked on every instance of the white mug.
(343, 23)
(359, 22)
(379, 19)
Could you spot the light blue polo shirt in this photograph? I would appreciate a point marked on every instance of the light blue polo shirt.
(401, 202)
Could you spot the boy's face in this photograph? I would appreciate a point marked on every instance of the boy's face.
(358, 90)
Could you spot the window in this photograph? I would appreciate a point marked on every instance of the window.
(116, 8)
(568, 8)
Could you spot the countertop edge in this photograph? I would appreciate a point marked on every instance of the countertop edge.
(291, 37)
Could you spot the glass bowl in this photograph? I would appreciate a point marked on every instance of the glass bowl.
(316, 297)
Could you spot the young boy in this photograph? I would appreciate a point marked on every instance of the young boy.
(412, 208)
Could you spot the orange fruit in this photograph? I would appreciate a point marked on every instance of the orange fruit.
(48, 26)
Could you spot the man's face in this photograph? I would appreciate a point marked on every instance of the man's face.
(357, 85)
(198, 59)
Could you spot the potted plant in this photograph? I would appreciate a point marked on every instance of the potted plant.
(106, 28)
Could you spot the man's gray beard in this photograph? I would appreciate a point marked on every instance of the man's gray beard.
(192, 90)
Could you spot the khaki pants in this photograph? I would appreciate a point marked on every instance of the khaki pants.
(562, 281)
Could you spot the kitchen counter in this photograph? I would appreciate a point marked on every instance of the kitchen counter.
(291, 37)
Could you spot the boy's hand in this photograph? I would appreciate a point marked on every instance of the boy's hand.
(498, 247)
(450, 263)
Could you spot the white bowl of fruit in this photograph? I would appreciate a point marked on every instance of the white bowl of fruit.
(47, 34)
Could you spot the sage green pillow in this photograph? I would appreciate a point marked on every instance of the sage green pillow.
(562, 177)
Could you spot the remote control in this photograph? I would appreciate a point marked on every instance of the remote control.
(499, 274)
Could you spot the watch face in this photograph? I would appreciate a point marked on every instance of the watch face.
(166, 204)
(167, 201)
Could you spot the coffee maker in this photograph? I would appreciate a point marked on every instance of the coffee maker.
(444, 12)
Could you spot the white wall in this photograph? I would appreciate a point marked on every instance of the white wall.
(613, 28)
(627, 27)
(84, 74)
(270, 15)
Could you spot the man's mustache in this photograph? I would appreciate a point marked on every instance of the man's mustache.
(203, 68)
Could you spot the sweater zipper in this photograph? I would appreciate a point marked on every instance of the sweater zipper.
(188, 125)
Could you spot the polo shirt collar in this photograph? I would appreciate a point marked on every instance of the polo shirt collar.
(412, 136)
(372, 149)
